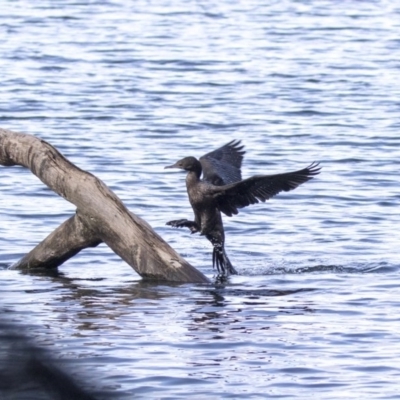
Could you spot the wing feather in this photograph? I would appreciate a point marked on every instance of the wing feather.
(222, 166)
(258, 188)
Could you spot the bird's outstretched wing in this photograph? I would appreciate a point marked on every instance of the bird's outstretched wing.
(222, 166)
(260, 188)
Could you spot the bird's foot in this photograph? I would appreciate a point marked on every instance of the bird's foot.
(232, 270)
(221, 261)
(184, 223)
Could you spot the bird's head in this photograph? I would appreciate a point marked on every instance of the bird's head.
(187, 164)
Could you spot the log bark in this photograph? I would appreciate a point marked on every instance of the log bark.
(67, 240)
(101, 216)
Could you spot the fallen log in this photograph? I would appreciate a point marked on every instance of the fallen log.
(101, 216)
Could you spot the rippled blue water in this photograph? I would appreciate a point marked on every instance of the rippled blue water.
(125, 88)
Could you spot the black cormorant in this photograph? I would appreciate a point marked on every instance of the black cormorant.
(222, 189)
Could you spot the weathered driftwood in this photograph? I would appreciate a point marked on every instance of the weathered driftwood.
(100, 216)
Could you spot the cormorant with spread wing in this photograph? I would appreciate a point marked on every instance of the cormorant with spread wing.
(223, 190)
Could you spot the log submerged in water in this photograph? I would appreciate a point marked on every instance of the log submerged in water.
(101, 216)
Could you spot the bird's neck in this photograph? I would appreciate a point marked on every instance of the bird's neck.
(192, 178)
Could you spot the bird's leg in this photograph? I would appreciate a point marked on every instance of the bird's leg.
(220, 258)
(184, 223)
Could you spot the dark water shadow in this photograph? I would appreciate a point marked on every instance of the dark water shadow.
(28, 372)
(211, 312)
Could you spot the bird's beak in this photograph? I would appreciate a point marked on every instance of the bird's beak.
(171, 166)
